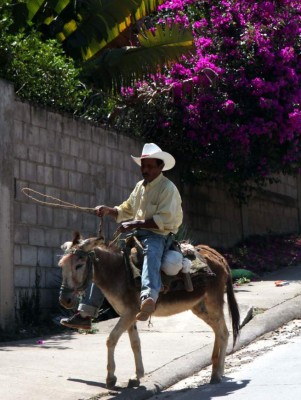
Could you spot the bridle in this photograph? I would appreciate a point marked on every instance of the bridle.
(91, 258)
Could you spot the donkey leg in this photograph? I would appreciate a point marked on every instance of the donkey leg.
(121, 326)
(214, 317)
(136, 347)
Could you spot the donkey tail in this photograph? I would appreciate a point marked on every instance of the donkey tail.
(233, 309)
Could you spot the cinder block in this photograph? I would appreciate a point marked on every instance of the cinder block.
(69, 126)
(45, 174)
(17, 254)
(53, 159)
(45, 257)
(29, 255)
(53, 277)
(22, 111)
(32, 134)
(76, 148)
(45, 216)
(54, 122)
(112, 140)
(28, 213)
(36, 154)
(21, 151)
(18, 131)
(21, 234)
(60, 177)
(29, 172)
(22, 277)
(17, 169)
(75, 181)
(90, 225)
(38, 116)
(82, 166)
(69, 163)
(84, 131)
(37, 277)
(36, 236)
(60, 218)
(52, 237)
(98, 136)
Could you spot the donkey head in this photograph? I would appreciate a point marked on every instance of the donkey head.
(75, 263)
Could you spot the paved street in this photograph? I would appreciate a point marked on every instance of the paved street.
(72, 366)
(268, 369)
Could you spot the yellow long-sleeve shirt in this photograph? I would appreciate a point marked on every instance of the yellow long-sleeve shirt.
(159, 199)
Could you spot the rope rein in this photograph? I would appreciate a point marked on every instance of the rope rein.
(69, 206)
(58, 203)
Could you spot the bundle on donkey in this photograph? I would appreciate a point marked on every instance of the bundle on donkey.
(92, 259)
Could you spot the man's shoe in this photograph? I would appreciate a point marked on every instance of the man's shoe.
(106, 314)
(148, 306)
(77, 322)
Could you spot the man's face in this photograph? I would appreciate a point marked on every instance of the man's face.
(150, 169)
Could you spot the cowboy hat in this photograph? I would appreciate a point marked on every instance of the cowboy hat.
(151, 150)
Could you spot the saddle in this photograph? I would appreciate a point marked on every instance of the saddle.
(198, 275)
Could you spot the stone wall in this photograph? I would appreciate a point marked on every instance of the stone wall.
(88, 165)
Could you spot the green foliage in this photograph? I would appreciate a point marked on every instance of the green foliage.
(84, 27)
(43, 75)
(241, 276)
(105, 33)
(40, 72)
(120, 67)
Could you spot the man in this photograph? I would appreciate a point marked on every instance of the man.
(153, 210)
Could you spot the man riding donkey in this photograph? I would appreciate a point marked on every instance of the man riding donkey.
(154, 212)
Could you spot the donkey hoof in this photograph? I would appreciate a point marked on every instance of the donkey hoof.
(111, 382)
(215, 379)
(133, 382)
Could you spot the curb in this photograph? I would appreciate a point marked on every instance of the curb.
(187, 365)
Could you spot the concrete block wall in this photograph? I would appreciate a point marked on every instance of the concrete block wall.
(216, 219)
(7, 298)
(87, 165)
(74, 162)
(211, 216)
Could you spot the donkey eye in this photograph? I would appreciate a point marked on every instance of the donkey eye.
(79, 266)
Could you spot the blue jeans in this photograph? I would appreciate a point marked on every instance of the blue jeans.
(92, 302)
(153, 249)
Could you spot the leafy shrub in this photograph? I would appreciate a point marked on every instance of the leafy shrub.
(262, 254)
(42, 74)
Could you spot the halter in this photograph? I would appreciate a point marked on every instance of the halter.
(91, 257)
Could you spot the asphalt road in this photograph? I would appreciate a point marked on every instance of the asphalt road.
(267, 369)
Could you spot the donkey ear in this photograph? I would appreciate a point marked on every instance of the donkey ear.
(91, 243)
(76, 237)
(66, 246)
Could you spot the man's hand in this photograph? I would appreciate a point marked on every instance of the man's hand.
(100, 211)
(137, 224)
(128, 226)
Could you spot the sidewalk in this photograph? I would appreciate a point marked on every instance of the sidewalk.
(72, 366)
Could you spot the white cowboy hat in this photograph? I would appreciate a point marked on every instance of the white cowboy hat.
(151, 150)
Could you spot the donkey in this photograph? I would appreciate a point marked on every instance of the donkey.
(92, 259)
